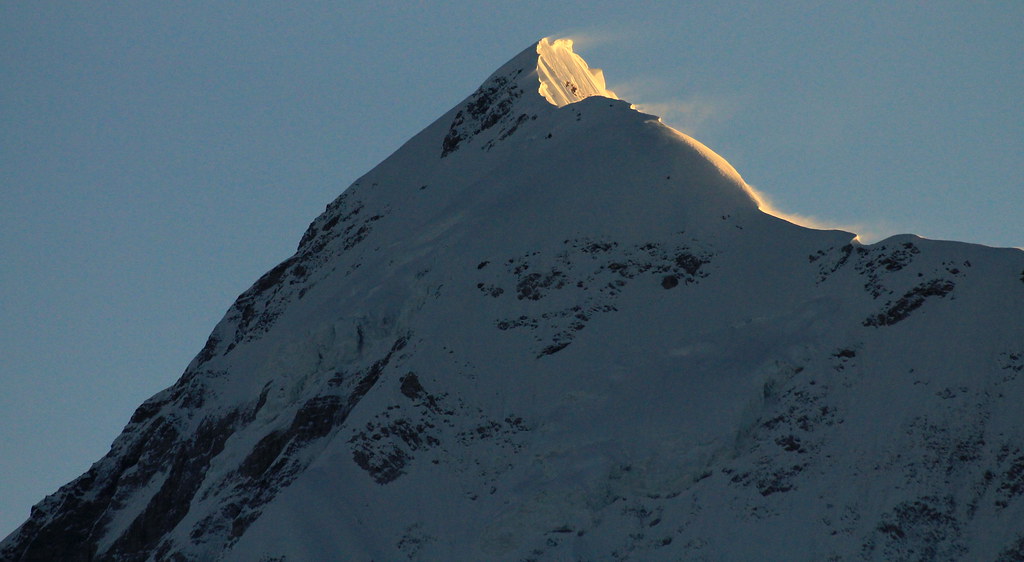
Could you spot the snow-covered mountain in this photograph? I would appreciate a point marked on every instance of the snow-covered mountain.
(551, 327)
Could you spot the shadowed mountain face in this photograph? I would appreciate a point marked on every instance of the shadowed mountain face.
(551, 327)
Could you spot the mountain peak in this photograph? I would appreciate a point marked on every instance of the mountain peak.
(551, 109)
(573, 335)
(543, 72)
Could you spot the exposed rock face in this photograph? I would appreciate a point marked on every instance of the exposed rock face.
(564, 331)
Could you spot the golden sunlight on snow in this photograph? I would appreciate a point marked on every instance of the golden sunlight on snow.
(766, 206)
(723, 165)
(564, 76)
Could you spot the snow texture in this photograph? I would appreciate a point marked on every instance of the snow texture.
(550, 327)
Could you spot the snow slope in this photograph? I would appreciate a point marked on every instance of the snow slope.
(551, 327)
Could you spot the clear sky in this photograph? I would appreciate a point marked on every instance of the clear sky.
(156, 158)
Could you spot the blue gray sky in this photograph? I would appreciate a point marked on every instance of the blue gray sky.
(156, 158)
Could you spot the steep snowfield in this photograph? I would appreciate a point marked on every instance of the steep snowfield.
(556, 329)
